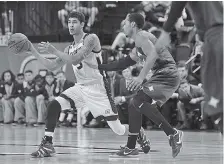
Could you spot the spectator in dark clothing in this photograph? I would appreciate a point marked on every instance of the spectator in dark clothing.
(9, 90)
(190, 97)
(25, 104)
(20, 78)
(183, 71)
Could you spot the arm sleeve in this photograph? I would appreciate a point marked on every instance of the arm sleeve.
(118, 65)
(175, 13)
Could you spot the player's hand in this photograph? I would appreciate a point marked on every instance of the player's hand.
(117, 100)
(163, 41)
(135, 84)
(193, 101)
(46, 47)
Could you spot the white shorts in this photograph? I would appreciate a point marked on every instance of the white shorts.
(94, 97)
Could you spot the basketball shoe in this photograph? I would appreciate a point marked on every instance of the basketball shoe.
(143, 142)
(175, 142)
(126, 152)
(45, 149)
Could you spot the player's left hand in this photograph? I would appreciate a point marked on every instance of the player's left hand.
(46, 47)
(135, 84)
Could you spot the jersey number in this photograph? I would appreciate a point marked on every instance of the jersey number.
(79, 66)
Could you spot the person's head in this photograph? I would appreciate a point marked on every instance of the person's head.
(8, 76)
(42, 72)
(49, 78)
(20, 78)
(182, 69)
(185, 86)
(28, 75)
(127, 73)
(39, 80)
(133, 22)
(76, 22)
(60, 76)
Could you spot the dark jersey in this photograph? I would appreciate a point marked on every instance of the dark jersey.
(164, 59)
(206, 14)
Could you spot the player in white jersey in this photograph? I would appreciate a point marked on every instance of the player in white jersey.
(92, 89)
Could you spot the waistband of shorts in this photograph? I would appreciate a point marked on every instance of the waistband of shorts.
(213, 30)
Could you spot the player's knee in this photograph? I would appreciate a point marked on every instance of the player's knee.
(53, 106)
(117, 127)
(139, 99)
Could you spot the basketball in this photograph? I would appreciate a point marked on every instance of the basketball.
(18, 43)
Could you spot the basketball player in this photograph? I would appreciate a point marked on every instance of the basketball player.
(91, 89)
(155, 92)
(208, 17)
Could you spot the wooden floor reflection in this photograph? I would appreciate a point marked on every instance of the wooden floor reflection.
(93, 146)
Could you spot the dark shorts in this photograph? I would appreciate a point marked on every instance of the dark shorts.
(212, 70)
(162, 85)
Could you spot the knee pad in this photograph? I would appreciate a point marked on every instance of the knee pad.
(139, 99)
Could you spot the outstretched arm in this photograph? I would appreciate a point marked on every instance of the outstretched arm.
(77, 56)
(120, 64)
(175, 13)
(50, 64)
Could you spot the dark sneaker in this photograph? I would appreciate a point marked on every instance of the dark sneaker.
(126, 152)
(175, 142)
(45, 149)
(143, 142)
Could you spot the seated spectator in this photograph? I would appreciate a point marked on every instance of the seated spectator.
(20, 78)
(9, 90)
(25, 104)
(190, 98)
(124, 96)
(90, 10)
(41, 99)
(183, 71)
(62, 85)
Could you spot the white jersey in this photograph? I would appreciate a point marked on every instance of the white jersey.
(84, 73)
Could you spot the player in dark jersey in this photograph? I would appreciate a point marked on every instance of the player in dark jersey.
(153, 93)
(208, 17)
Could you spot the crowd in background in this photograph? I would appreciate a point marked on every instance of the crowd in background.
(24, 98)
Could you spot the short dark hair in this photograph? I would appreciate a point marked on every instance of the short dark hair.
(182, 63)
(20, 74)
(75, 14)
(10, 72)
(137, 18)
(28, 71)
(49, 73)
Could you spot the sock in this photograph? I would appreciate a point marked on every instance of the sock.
(132, 141)
(53, 112)
(135, 122)
(151, 111)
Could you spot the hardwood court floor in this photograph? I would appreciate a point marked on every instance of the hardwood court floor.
(93, 146)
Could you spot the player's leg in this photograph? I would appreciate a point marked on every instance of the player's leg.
(103, 105)
(212, 71)
(147, 106)
(67, 100)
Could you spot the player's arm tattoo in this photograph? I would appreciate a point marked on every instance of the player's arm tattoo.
(149, 50)
(77, 56)
(84, 51)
